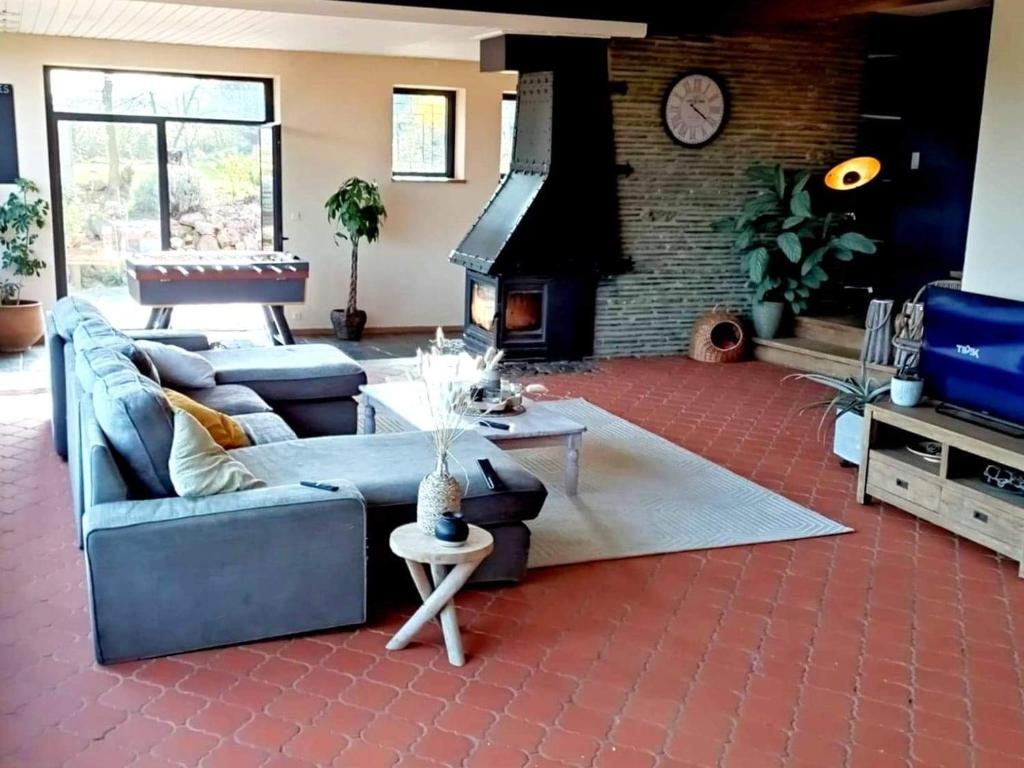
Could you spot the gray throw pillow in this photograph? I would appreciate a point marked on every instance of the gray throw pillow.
(178, 367)
(199, 467)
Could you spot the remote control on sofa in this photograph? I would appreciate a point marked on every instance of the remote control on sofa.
(490, 476)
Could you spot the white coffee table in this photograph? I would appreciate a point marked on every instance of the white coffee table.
(538, 426)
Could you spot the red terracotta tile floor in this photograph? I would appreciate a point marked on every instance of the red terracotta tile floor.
(897, 645)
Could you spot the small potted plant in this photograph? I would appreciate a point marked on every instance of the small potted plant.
(784, 247)
(21, 217)
(854, 394)
(907, 387)
(357, 212)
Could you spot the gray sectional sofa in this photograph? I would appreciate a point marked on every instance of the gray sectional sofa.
(168, 574)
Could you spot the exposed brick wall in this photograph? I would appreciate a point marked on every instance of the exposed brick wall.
(794, 100)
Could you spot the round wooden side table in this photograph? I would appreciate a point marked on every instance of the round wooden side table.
(450, 568)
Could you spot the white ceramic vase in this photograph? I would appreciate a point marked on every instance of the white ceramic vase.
(439, 492)
(767, 316)
(906, 392)
(846, 444)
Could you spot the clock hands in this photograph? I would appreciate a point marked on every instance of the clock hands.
(699, 112)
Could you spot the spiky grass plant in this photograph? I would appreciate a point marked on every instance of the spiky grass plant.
(853, 393)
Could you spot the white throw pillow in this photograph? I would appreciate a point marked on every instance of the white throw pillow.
(200, 467)
(178, 367)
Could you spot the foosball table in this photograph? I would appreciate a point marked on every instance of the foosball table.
(167, 279)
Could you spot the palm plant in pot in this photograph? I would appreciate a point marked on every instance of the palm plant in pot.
(357, 212)
(784, 247)
(22, 215)
(853, 395)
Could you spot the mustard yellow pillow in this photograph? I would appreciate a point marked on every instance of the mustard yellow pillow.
(225, 431)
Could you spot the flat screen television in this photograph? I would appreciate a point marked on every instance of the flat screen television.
(972, 357)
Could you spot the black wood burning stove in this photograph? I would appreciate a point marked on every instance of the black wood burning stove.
(531, 317)
(534, 255)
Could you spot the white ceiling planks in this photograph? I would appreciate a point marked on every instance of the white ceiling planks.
(303, 25)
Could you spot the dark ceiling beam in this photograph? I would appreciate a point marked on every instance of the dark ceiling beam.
(680, 17)
(783, 13)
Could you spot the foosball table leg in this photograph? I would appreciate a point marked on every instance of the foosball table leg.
(159, 317)
(277, 324)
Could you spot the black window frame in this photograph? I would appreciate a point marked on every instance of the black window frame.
(449, 145)
(53, 117)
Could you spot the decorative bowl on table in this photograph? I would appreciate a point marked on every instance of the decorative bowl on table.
(508, 402)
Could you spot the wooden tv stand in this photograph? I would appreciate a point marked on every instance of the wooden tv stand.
(952, 493)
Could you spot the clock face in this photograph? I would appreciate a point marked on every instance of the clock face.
(695, 109)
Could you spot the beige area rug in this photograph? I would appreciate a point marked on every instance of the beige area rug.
(640, 494)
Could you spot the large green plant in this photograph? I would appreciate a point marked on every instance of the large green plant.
(357, 212)
(784, 247)
(21, 217)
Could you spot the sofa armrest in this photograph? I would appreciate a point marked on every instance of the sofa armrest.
(173, 575)
(193, 341)
(123, 514)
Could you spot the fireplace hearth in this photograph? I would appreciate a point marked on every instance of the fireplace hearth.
(535, 253)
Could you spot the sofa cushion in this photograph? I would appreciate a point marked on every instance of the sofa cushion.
(387, 469)
(70, 311)
(293, 372)
(98, 362)
(232, 399)
(139, 424)
(144, 364)
(265, 428)
(178, 367)
(199, 467)
(94, 332)
(225, 431)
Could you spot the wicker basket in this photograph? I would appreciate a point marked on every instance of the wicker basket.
(718, 337)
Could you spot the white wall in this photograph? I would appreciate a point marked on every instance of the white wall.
(335, 112)
(995, 240)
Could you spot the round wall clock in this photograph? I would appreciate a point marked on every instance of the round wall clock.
(695, 109)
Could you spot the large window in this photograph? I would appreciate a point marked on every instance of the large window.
(423, 133)
(508, 131)
(144, 162)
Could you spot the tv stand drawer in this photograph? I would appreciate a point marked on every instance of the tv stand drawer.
(903, 481)
(990, 519)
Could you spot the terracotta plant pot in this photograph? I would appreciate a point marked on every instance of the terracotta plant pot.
(348, 327)
(21, 325)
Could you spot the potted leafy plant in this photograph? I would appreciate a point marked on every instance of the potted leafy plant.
(21, 217)
(907, 387)
(784, 247)
(854, 394)
(357, 212)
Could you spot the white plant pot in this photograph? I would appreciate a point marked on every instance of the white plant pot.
(906, 392)
(846, 444)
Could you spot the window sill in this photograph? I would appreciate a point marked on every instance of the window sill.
(428, 179)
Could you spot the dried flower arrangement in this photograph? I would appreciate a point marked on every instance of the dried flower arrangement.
(450, 382)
